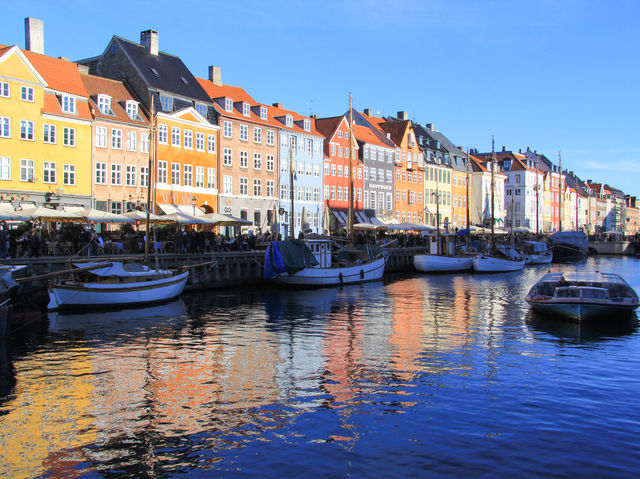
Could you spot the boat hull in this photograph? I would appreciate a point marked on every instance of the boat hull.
(360, 273)
(76, 294)
(489, 264)
(539, 258)
(428, 263)
(580, 310)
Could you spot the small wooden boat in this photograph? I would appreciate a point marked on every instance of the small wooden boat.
(501, 259)
(116, 284)
(537, 252)
(312, 263)
(432, 263)
(583, 296)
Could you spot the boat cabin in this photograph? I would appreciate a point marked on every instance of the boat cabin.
(321, 250)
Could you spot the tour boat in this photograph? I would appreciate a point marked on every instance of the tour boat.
(537, 252)
(501, 259)
(583, 296)
(311, 262)
(116, 284)
(433, 263)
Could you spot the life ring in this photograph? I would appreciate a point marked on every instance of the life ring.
(341, 278)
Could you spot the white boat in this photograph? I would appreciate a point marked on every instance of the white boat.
(501, 260)
(583, 296)
(432, 263)
(116, 284)
(8, 284)
(537, 252)
(312, 263)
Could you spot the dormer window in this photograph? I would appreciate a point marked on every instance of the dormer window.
(228, 104)
(154, 71)
(104, 104)
(263, 112)
(246, 109)
(132, 109)
(202, 109)
(68, 104)
(288, 121)
(307, 124)
(166, 102)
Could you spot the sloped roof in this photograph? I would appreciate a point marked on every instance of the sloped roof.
(279, 113)
(227, 91)
(328, 126)
(60, 75)
(397, 129)
(119, 95)
(362, 120)
(173, 75)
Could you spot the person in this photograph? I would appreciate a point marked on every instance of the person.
(4, 243)
(34, 245)
(301, 235)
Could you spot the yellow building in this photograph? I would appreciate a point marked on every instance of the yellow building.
(45, 131)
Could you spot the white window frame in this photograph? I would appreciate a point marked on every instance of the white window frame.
(163, 134)
(48, 172)
(116, 139)
(69, 137)
(101, 173)
(27, 170)
(116, 174)
(27, 93)
(199, 176)
(5, 168)
(211, 143)
(244, 185)
(131, 175)
(228, 184)
(144, 176)
(244, 132)
(271, 137)
(26, 130)
(49, 134)
(187, 175)
(244, 160)
(271, 163)
(257, 134)
(211, 177)
(175, 136)
(175, 173)
(101, 136)
(144, 142)
(188, 139)
(5, 127)
(132, 140)
(199, 141)
(257, 161)
(68, 104)
(69, 174)
(5, 89)
(227, 129)
(227, 157)
(163, 172)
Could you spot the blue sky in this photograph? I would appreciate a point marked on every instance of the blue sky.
(553, 75)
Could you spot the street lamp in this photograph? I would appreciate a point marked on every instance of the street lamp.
(193, 202)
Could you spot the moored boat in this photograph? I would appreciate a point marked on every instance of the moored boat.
(582, 296)
(569, 245)
(537, 252)
(312, 263)
(116, 284)
(8, 284)
(500, 260)
(433, 263)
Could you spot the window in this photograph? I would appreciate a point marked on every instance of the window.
(4, 90)
(211, 143)
(132, 110)
(101, 137)
(116, 207)
(316, 194)
(69, 136)
(5, 127)
(49, 135)
(199, 176)
(263, 112)
(227, 158)
(257, 134)
(188, 139)
(130, 175)
(339, 193)
(188, 175)
(69, 175)
(340, 151)
(144, 142)
(309, 147)
(175, 136)
(244, 159)
(5, 168)
(227, 129)
(228, 104)
(26, 93)
(227, 185)
(116, 174)
(244, 132)
(48, 172)
(333, 170)
(175, 173)
(333, 150)
(163, 134)
(144, 176)
(199, 141)
(27, 170)
(162, 172)
(271, 163)
(166, 102)
(271, 189)
(202, 109)
(68, 104)
(104, 104)
(116, 139)
(289, 121)
(244, 185)
(246, 109)
(257, 161)
(211, 177)
(26, 130)
(132, 139)
(270, 137)
(101, 173)
(306, 124)
(284, 191)
(257, 187)
(333, 192)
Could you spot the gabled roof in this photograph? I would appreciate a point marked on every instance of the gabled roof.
(61, 75)
(328, 126)
(172, 75)
(396, 128)
(119, 95)
(6, 52)
(363, 121)
(226, 91)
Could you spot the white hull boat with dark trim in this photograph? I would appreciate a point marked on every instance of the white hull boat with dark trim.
(583, 296)
(117, 284)
(432, 263)
(310, 263)
(537, 252)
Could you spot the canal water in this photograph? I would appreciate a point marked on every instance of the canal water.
(416, 376)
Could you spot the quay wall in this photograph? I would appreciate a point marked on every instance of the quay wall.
(608, 247)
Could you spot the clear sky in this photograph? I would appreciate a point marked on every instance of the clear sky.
(552, 75)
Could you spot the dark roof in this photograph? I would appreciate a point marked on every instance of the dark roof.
(172, 75)
(361, 120)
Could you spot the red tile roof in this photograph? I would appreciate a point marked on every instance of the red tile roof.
(119, 94)
(328, 126)
(60, 75)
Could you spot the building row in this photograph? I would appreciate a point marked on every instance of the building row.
(133, 128)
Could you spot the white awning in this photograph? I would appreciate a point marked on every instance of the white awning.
(73, 209)
(189, 210)
(168, 209)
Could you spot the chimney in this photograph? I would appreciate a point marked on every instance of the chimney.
(520, 150)
(504, 148)
(83, 69)
(34, 35)
(149, 40)
(215, 75)
(430, 126)
(403, 115)
(277, 105)
(389, 136)
(367, 111)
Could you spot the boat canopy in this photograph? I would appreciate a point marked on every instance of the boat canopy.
(575, 238)
(118, 268)
(287, 256)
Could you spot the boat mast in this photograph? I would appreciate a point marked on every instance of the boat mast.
(537, 198)
(437, 204)
(150, 179)
(493, 175)
(291, 193)
(560, 193)
(467, 183)
(350, 166)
